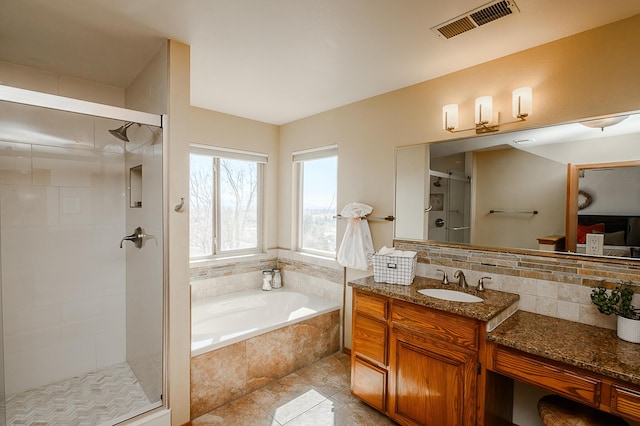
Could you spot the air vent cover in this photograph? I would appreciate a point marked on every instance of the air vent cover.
(476, 18)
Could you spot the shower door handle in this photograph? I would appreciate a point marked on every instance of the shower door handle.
(136, 238)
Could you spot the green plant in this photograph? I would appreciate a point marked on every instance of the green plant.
(618, 302)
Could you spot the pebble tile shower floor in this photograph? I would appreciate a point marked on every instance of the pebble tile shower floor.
(89, 400)
(315, 395)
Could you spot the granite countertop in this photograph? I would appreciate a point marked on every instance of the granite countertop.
(588, 347)
(495, 302)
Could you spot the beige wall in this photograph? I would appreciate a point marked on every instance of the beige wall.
(535, 183)
(59, 84)
(592, 73)
(176, 178)
(228, 131)
(589, 74)
(148, 91)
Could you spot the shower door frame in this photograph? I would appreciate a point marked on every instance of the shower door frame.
(61, 103)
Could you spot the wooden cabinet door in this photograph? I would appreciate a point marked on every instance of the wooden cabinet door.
(431, 383)
(369, 339)
(369, 383)
(369, 349)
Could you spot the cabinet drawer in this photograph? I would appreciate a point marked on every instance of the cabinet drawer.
(370, 338)
(369, 383)
(575, 385)
(441, 325)
(625, 402)
(375, 306)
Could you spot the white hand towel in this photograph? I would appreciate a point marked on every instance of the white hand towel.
(386, 251)
(356, 248)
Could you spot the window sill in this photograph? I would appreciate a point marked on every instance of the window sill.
(231, 259)
(317, 255)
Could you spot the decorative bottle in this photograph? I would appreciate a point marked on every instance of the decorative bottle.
(266, 280)
(277, 279)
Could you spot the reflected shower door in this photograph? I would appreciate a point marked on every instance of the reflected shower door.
(457, 209)
(449, 202)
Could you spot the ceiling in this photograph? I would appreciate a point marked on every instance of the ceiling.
(281, 60)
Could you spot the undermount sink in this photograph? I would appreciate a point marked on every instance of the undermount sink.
(450, 295)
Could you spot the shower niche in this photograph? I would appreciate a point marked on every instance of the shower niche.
(135, 186)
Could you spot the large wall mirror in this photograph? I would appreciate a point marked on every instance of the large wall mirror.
(536, 189)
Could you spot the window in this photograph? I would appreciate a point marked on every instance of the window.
(225, 202)
(317, 175)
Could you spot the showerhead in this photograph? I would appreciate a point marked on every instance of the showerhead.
(437, 183)
(121, 132)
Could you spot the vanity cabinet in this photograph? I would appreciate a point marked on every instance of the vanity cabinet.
(568, 382)
(418, 365)
(625, 401)
(604, 393)
(433, 366)
(369, 361)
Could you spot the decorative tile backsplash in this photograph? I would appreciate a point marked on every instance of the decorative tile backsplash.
(562, 269)
(310, 274)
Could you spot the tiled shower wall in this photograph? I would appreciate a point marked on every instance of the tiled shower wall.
(557, 286)
(61, 217)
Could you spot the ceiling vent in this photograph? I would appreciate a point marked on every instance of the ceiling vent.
(476, 18)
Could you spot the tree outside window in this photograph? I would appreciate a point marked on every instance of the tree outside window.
(224, 202)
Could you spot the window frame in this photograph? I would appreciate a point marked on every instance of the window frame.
(218, 154)
(298, 158)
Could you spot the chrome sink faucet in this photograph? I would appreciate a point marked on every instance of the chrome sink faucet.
(481, 283)
(445, 279)
(462, 281)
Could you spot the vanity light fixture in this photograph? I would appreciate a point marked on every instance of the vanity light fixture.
(521, 109)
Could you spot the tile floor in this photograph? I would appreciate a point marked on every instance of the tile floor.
(315, 395)
(90, 399)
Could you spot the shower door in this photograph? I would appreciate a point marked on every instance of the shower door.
(83, 318)
(449, 204)
(458, 209)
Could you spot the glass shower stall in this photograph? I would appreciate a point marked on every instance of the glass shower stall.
(81, 263)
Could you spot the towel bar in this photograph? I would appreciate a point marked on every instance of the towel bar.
(388, 218)
(514, 211)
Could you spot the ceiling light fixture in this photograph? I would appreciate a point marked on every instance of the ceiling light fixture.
(522, 106)
(601, 123)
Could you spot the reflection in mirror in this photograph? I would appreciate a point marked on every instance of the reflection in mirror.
(603, 217)
(516, 184)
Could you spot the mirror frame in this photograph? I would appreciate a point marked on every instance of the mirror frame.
(573, 173)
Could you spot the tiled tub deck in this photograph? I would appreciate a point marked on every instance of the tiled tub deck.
(230, 372)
